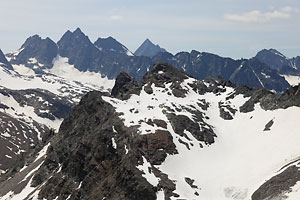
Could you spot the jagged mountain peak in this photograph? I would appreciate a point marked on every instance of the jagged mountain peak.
(78, 48)
(276, 60)
(35, 53)
(273, 58)
(111, 45)
(31, 40)
(76, 35)
(149, 49)
(78, 31)
(270, 51)
(36, 40)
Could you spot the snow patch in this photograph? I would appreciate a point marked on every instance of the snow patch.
(43, 152)
(292, 80)
(129, 53)
(146, 168)
(62, 68)
(114, 144)
(23, 70)
(265, 75)
(126, 149)
(6, 134)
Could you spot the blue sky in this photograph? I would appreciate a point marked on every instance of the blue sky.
(229, 28)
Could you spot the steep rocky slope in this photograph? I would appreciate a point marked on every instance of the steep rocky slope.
(26, 117)
(169, 137)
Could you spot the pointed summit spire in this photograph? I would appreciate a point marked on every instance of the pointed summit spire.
(148, 49)
(78, 31)
(78, 48)
(147, 40)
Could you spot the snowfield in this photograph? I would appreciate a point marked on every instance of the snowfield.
(63, 80)
(243, 156)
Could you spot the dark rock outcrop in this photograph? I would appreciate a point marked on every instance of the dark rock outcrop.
(279, 185)
(125, 85)
(163, 73)
(271, 101)
(269, 125)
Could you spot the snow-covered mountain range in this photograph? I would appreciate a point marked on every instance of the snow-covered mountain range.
(149, 130)
(170, 137)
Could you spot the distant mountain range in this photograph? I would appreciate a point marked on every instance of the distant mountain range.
(109, 57)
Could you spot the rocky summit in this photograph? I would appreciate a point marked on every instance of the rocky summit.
(279, 62)
(169, 137)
